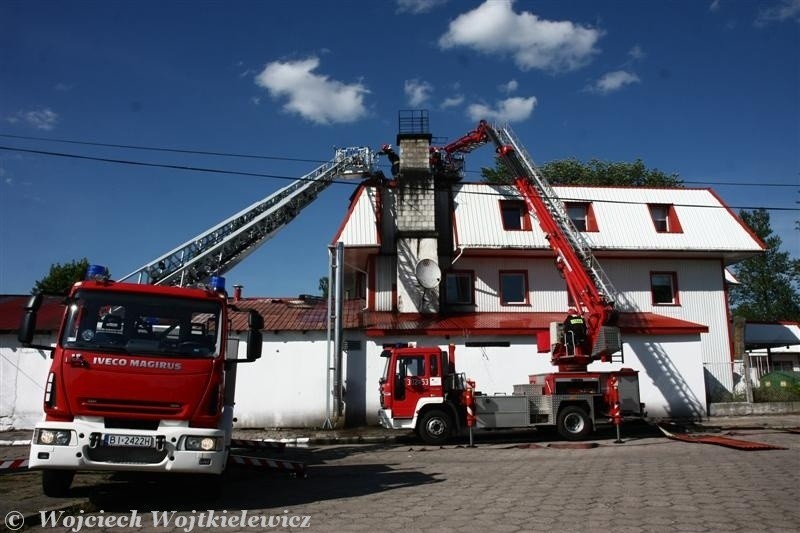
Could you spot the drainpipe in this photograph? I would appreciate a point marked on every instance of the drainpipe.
(338, 326)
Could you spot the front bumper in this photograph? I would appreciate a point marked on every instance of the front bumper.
(86, 451)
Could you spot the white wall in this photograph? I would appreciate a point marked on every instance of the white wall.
(23, 372)
(287, 386)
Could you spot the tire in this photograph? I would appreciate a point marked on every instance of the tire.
(56, 483)
(574, 423)
(435, 427)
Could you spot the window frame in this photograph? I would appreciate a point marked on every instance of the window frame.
(522, 209)
(673, 277)
(589, 219)
(670, 219)
(525, 288)
(470, 275)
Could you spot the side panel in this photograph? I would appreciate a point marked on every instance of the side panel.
(502, 411)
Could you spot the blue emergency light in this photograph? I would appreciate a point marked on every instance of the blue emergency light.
(217, 283)
(97, 272)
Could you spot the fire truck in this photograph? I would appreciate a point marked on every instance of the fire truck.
(143, 373)
(421, 388)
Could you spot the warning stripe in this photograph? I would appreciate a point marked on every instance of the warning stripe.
(243, 443)
(728, 442)
(263, 462)
(13, 464)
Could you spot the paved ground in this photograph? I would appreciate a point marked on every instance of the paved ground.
(509, 482)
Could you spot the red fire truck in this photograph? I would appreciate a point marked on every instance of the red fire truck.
(421, 389)
(142, 378)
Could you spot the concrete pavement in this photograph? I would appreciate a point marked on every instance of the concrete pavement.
(510, 482)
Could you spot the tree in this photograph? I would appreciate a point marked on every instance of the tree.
(594, 172)
(323, 287)
(61, 277)
(770, 283)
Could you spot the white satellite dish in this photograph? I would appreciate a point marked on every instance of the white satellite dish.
(428, 273)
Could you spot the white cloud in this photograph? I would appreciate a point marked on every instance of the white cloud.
(313, 96)
(637, 52)
(41, 119)
(452, 101)
(714, 5)
(514, 109)
(418, 92)
(415, 7)
(780, 12)
(509, 87)
(494, 28)
(613, 81)
(64, 87)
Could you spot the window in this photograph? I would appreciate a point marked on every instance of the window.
(515, 215)
(459, 288)
(410, 366)
(514, 288)
(582, 215)
(664, 288)
(665, 219)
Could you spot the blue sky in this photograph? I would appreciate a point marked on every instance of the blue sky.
(707, 89)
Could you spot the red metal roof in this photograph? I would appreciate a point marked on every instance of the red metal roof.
(295, 314)
(381, 324)
(11, 311)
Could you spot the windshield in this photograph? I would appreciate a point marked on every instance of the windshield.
(142, 324)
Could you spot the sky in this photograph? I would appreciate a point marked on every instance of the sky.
(709, 90)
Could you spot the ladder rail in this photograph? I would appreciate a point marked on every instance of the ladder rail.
(226, 244)
(505, 136)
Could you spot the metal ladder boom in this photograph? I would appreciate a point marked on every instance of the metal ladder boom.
(220, 248)
(504, 136)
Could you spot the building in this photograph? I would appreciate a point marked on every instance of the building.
(432, 260)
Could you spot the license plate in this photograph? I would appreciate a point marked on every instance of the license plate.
(133, 441)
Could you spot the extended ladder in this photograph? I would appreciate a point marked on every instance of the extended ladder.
(503, 136)
(220, 248)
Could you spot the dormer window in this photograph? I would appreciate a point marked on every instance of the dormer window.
(665, 219)
(514, 214)
(582, 215)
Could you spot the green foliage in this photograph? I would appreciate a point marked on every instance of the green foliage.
(61, 277)
(790, 393)
(770, 282)
(594, 172)
(323, 287)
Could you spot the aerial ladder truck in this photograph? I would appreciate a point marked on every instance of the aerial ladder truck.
(143, 374)
(421, 389)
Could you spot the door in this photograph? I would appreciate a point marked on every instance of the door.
(411, 382)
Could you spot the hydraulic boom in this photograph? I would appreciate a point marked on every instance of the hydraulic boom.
(588, 286)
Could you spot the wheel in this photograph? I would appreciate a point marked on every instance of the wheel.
(56, 483)
(435, 427)
(574, 423)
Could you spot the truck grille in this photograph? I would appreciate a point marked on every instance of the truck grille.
(110, 454)
(105, 405)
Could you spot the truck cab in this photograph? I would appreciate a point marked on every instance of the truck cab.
(142, 378)
(420, 390)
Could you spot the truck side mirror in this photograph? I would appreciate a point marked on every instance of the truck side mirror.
(254, 344)
(255, 323)
(27, 327)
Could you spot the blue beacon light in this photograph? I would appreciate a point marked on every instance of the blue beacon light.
(217, 283)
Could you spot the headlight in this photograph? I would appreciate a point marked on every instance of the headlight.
(203, 444)
(53, 437)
